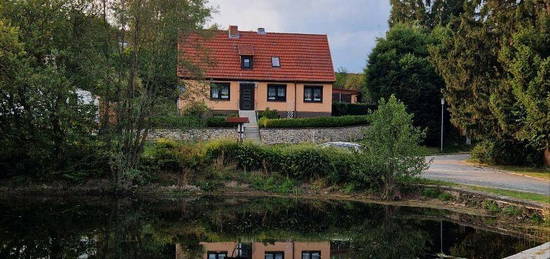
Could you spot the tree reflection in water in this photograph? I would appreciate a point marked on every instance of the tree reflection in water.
(188, 228)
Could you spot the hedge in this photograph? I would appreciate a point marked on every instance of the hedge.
(317, 122)
(300, 162)
(341, 109)
(176, 122)
(218, 122)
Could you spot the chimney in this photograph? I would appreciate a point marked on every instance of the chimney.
(261, 31)
(233, 32)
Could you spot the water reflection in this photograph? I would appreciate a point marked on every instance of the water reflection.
(222, 227)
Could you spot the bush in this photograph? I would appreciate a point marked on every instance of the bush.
(176, 122)
(341, 121)
(196, 109)
(341, 109)
(219, 122)
(506, 153)
(269, 114)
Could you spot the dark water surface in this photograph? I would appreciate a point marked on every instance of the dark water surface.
(266, 227)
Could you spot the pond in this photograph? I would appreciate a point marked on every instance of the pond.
(217, 227)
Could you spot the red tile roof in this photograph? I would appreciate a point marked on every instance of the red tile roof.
(303, 57)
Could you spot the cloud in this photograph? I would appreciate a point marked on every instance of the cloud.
(351, 25)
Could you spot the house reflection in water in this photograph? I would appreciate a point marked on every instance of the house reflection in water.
(259, 250)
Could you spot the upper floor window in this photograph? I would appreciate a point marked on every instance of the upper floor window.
(246, 62)
(276, 93)
(219, 91)
(311, 255)
(217, 255)
(313, 94)
(274, 255)
(275, 62)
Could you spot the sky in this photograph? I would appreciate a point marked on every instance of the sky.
(352, 26)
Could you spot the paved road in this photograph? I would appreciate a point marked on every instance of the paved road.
(453, 168)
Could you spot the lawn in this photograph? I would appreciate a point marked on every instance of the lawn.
(513, 194)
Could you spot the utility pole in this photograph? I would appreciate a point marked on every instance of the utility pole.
(442, 105)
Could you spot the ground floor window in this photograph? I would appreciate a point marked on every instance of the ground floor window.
(276, 93)
(217, 255)
(274, 255)
(219, 91)
(313, 94)
(311, 254)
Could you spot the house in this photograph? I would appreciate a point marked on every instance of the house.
(255, 70)
(261, 250)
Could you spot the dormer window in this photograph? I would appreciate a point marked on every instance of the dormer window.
(275, 62)
(246, 62)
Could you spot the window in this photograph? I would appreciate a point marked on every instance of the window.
(313, 94)
(274, 255)
(275, 62)
(219, 91)
(311, 254)
(246, 62)
(217, 255)
(276, 93)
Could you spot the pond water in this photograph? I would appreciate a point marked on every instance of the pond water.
(217, 227)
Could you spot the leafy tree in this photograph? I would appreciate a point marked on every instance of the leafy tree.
(391, 145)
(44, 125)
(399, 65)
(494, 65)
(428, 13)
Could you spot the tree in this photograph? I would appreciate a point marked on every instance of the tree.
(391, 145)
(494, 67)
(427, 13)
(399, 66)
(145, 57)
(44, 125)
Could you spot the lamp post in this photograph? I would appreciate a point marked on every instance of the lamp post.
(442, 105)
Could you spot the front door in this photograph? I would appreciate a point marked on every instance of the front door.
(246, 96)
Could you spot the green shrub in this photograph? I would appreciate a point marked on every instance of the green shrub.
(314, 122)
(491, 206)
(176, 122)
(196, 109)
(269, 114)
(341, 109)
(506, 153)
(512, 211)
(273, 183)
(219, 122)
(431, 192)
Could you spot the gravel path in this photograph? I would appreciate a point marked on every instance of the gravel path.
(453, 168)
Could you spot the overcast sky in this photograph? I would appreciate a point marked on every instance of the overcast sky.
(352, 26)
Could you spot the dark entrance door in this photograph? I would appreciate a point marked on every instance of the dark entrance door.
(246, 96)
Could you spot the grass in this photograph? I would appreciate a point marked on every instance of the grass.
(513, 194)
(542, 173)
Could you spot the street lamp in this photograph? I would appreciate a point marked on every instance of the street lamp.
(442, 105)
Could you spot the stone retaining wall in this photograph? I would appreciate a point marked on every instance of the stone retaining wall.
(313, 135)
(268, 136)
(194, 134)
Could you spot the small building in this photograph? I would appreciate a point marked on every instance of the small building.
(255, 70)
(340, 95)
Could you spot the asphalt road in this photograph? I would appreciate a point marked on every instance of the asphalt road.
(453, 168)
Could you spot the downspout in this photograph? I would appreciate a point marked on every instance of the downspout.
(295, 100)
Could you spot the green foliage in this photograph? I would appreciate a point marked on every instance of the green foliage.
(391, 145)
(491, 206)
(177, 122)
(494, 61)
(427, 13)
(341, 109)
(196, 109)
(399, 66)
(219, 122)
(273, 183)
(505, 153)
(269, 114)
(341, 121)
(345, 80)
(512, 211)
